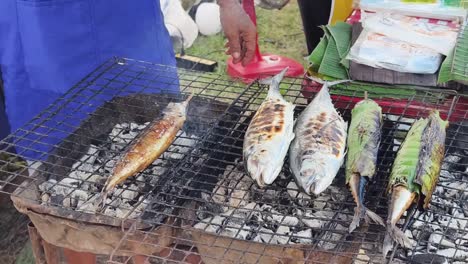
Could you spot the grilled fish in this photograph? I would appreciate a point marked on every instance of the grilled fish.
(415, 173)
(318, 150)
(269, 134)
(149, 145)
(363, 145)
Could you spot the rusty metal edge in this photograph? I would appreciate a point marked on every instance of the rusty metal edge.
(215, 249)
(25, 197)
(100, 239)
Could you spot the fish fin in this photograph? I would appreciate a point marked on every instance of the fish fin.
(395, 234)
(274, 83)
(387, 244)
(189, 98)
(101, 200)
(277, 78)
(374, 217)
(356, 219)
(362, 212)
(327, 83)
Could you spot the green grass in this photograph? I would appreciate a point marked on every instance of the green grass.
(280, 32)
(26, 256)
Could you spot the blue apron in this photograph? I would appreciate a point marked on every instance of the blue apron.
(47, 46)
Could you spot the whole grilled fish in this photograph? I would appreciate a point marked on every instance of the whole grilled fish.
(318, 150)
(415, 173)
(363, 144)
(268, 136)
(153, 141)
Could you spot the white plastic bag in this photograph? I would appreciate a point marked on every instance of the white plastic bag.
(438, 9)
(380, 51)
(179, 24)
(440, 36)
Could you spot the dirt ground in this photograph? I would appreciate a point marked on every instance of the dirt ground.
(13, 234)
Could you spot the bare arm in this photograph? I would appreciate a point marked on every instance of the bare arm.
(239, 30)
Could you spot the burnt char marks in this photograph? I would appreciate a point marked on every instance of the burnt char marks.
(322, 117)
(279, 108)
(323, 132)
(269, 120)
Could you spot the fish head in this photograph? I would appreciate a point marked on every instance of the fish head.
(264, 171)
(317, 177)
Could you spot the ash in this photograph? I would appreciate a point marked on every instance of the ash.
(280, 214)
(82, 187)
(440, 235)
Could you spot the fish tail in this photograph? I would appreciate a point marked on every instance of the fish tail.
(274, 82)
(373, 217)
(387, 244)
(101, 200)
(394, 234)
(361, 212)
(356, 218)
(189, 98)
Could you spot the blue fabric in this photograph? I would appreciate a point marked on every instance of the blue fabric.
(47, 46)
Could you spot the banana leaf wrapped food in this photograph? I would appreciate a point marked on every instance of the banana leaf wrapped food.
(415, 173)
(364, 137)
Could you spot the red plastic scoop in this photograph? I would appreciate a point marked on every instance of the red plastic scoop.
(262, 64)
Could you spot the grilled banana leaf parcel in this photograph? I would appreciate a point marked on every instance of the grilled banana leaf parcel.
(415, 173)
(364, 136)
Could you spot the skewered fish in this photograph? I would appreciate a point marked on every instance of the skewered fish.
(269, 134)
(149, 145)
(415, 173)
(363, 144)
(318, 150)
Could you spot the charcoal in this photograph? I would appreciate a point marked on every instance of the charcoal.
(47, 185)
(206, 227)
(298, 196)
(67, 202)
(264, 235)
(454, 253)
(244, 233)
(288, 220)
(110, 212)
(130, 193)
(45, 198)
(305, 236)
(362, 258)
(56, 199)
(311, 221)
(88, 206)
(449, 161)
(428, 258)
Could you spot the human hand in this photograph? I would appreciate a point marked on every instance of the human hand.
(239, 30)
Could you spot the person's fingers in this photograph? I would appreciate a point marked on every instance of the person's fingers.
(234, 48)
(249, 47)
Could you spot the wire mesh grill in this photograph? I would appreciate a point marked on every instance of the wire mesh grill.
(196, 204)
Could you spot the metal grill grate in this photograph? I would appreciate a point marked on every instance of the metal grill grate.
(196, 201)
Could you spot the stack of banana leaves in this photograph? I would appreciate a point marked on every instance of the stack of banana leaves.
(455, 66)
(328, 62)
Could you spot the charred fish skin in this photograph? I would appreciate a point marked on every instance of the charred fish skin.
(363, 143)
(415, 173)
(317, 152)
(269, 135)
(149, 145)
